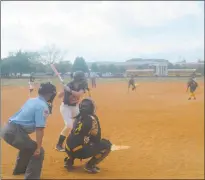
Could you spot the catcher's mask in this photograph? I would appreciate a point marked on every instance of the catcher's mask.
(48, 89)
(87, 106)
(79, 76)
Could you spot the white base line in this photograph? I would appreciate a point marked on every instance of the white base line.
(117, 148)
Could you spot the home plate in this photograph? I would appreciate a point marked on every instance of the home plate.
(116, 148)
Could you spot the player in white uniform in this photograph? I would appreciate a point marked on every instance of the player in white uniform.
(69, 107)
(31, 84)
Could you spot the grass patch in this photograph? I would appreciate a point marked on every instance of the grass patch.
(24, 82)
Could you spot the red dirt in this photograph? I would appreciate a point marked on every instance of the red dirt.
(164, 129)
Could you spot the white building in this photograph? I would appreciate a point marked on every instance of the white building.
(160, 66)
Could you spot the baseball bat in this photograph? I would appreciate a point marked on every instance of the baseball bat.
(57, 73)
(60, 78)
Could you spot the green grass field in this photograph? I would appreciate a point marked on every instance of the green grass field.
(24, 82)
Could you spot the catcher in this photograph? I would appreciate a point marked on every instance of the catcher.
(131, 83)
(30, 118)
(71, 95)
(85, 140)
(192, 86)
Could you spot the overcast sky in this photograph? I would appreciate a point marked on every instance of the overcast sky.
(106, 31)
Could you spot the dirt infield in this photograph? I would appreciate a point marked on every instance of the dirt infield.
(164, 129)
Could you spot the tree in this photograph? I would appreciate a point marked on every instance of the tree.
(18, 63)
(51, 54)
(21, 62)
(122, 69)
(112, 68)
(80, 65)
(177, 66)
(64, 66)
(94, 67)
(103, 68)
(5, 67)
(170, 65)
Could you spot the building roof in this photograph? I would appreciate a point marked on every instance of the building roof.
(150, 60)
(133, 62)
(190, 63)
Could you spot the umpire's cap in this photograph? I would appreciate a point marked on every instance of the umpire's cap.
(79, 76)
(87, 106)
(46, 88)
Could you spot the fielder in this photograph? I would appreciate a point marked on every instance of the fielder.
(192, 86)
(31, 84)
(131, 83)
(69, 108)
(30, 118)
(85, 140)
(93, 80)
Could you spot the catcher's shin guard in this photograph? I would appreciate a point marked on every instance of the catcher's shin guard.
(68, 163)
(98, 158)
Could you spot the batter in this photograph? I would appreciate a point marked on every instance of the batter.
(69, 108)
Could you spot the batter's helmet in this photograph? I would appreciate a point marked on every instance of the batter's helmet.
(87, 106)
(79, 76)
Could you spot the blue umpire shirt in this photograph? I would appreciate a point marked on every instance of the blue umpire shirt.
(32, 115)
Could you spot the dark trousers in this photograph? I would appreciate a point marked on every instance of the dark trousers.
(88, 151)
(26, 163)
(132, 86)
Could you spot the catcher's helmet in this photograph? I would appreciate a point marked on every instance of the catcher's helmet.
(87, 106)
(79, 76)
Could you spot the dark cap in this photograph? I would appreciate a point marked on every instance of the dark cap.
(46, 88)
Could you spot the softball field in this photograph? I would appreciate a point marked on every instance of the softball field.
(164, 130)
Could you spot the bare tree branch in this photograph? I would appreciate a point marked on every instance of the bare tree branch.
(51, 54)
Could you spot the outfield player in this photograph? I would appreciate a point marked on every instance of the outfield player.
(30, 118)
(131, 84)
(31, 84)
(93, 80)
(85, 140)
(192, 86)
(69, 107)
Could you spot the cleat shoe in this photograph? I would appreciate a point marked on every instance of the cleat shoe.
(60, 148)
(68, 163)
(92, 169)
(97, 168)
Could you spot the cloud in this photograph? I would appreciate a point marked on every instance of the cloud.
(102, 30)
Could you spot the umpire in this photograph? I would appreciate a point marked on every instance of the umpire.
(30, 118)
(85, 140)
